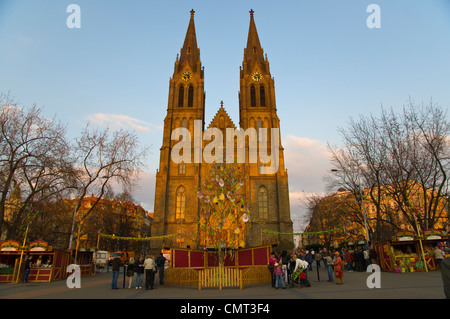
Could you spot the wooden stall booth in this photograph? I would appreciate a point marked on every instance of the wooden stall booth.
(401, 254)
(9, 260)
(47, 263)
(385, 258)
(84, 259)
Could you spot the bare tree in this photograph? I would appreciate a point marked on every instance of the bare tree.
(33, 159)
(397, 157)
(103, 159)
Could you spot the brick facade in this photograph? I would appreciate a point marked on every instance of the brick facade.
(257, 109)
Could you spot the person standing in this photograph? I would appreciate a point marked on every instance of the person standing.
(279, 280)
(318, 258)
(271, 266)
(339, 269)
(130, 272)
(284, 262)
(373, 255)
(329, 265)
(150, 269)
(358, 260)
(291, 266)
(348, 260)
(116, 262)
(28, 263)
(138, 269)
(439, 255)
(325, 253)
(367, 257)
(309, 259)
(160, 262)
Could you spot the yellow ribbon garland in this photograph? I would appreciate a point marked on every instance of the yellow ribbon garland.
(138, 238)
(265, 231)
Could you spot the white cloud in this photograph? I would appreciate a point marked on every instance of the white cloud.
(307, 161)
(145, 194)
(123, 121)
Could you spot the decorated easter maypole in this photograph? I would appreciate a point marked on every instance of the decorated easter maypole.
(224, 208)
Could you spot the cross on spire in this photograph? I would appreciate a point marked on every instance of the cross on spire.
(192, 13)
(251, 12)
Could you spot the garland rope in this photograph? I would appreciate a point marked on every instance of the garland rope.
(138, 238)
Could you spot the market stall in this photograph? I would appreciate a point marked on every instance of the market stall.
(433, 238)
(407, 252)
(85, 259)
(9, 258)
(401, 254)
(47, 264)
(385, 259)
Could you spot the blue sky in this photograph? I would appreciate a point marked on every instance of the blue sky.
(327, 64)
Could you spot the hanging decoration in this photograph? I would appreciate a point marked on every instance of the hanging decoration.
(138, 238)
(224, 206)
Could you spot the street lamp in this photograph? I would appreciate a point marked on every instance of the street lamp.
(363, 207)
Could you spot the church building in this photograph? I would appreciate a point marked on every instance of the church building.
(177, 208)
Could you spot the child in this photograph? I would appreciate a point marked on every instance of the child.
(279, 278)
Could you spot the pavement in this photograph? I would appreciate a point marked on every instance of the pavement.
(398, 295)
(416, 285)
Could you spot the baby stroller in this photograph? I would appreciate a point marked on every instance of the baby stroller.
(303, 281)
(298, 279)
(294, 280)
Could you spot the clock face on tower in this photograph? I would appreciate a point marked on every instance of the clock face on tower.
(186, 76)
(257, 76)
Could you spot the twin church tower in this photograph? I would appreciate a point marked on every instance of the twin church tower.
(177, 207)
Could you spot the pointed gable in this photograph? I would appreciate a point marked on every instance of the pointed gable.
(222, 120)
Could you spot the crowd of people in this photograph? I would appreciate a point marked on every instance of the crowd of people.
(284, 265)
(140, 270)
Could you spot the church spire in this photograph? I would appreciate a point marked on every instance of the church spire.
(190, 53)
(253, 52)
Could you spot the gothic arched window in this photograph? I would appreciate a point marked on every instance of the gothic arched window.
(181, 96)
(252, 96)
(263, 206)
(181, 203)
(182, 169)
(262, 95)
(191, 96)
